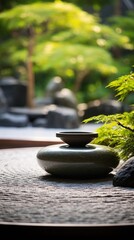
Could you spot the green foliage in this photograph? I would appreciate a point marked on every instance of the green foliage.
(125, 25)
(77, 42)
(123, 86)
(76, 59)
(95, 3)
(117, 130)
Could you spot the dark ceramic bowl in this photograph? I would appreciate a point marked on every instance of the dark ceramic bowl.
(77, 139)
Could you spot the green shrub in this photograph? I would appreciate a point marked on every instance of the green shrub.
(117, 130)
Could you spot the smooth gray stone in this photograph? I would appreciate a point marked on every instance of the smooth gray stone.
(12, 120)
(91, 161)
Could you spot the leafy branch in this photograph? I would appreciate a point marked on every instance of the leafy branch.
(123, 86)
(128, 128)
(117, 130)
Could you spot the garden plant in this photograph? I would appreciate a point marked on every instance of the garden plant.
(117, 130)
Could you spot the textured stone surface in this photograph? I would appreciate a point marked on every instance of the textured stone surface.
(3, 102)
(12, 120)
(125, 175)
(28, 194)
(14, 90)
(106, 107)
(62, 117)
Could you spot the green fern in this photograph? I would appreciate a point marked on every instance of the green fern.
(117, 130)
(123, 86)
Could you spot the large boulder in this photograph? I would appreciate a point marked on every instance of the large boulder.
(50, 116)
(62, 117)
(107, 107)
(14, 91)
(12, 120)
(31, 113)
(65, 98)
(56, 93)
(54, 85)
(124, 176)
(3, 102)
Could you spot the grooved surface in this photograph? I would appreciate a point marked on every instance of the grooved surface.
(30, 195)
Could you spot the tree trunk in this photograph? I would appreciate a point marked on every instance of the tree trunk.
(30, 74)
(79, 79)
(117, 12)
(117, 8)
